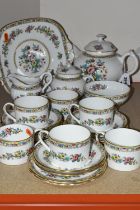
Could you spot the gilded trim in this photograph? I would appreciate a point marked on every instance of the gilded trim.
(68, 79)
(30, 110)
(65, 39)
(62, 144)
(55, 101)
(121, 148)
(75, 171)
(22, 88)
(38, 43)
(117, 97)
(100, 172)
(96, 111)
(16, 143)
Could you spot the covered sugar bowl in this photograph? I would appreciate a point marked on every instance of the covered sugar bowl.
(68, 77)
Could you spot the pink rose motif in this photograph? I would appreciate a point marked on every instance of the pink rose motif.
(75, 157)
(91, 69)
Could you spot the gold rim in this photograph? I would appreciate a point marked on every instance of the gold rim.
(68, 79)
(117, 97)
(38, 43)
(63, 101)
(12, 142)
(120, 114)
(50, 139)
(133, 148)
(67, 183)
(100, 111)
(71, 172)
(63, 33)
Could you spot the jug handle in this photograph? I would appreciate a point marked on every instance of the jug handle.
(43, 78)
(130, 53)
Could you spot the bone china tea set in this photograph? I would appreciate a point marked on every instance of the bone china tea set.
(64, 119)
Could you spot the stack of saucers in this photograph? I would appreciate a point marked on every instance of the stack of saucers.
(42, 168)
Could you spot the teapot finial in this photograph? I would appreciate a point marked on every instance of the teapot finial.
(101, 37)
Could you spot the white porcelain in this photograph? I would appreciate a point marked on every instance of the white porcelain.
(96, 113)
(42, 158)
(61, 179)
(20, 88)
(120, 120)
(33, 46)
(101, 60)
(30, 110)
(123, 148)
(69, 77)
(113, 90)
(16, 142)
(61, 99)
(55, 118)
(69, 146)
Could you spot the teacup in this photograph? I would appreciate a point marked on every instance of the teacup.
(16, 142)
(61, 99)
(30, 110)
(96, 113)
(69, 146)
(123, 148)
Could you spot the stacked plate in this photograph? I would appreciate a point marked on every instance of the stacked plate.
(42, 168)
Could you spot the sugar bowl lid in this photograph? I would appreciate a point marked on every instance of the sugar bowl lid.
(68, 71)
(100, 47)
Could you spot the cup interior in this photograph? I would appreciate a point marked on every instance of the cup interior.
(98, 103)
(123, 137)
(107, 88)
(15, 132)
(31, 101)
(69, 133)
(61, 95)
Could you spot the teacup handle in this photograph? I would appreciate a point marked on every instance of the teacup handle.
(6, 112)
(71, 114)
(97, 134)
(43, 77)
(40, 132)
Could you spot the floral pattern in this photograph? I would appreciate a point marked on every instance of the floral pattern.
(97, 122)
(125, 160)
(32, 58)
(10, 131)
(65, 157)
(76, 89)
(33, 119)
(8, 38)
(59, 55)
(41, 29)
(98, 87)
(16, 155)
(94, 67)
(64, 111)
(49, 33)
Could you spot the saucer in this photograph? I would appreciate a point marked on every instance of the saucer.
(120, 120)
(55, 119)
(41, 156)
(33, 46)
(54, 178)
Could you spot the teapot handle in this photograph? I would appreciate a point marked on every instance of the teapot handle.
(124, 58)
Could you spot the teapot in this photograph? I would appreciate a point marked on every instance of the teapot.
(101, 60)
(23, 86)
(69, 77)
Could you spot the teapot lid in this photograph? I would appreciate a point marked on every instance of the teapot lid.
(100, 47)
(68, 71)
